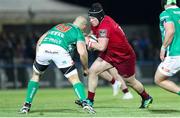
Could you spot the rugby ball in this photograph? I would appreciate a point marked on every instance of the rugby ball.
(93, 38)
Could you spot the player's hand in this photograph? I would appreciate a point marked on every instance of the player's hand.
(87, 40)
(162, 53)
(86, 72)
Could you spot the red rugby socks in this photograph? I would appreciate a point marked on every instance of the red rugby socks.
(112, 81)
(144, 95)
(91, 95)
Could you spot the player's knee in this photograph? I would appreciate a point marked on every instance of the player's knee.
(131, 79)
(93, 71)
(35, 77)
(156, 80)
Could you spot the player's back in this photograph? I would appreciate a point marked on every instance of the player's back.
(118, 48)
(175, 14)
(63, 35)
(116, 33)
(118, 43)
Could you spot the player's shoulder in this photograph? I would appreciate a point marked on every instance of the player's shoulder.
(107, 19)
(107, 22)
(163, 15)
(73, 27)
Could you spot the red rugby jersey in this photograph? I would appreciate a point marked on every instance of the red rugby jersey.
(118, 49)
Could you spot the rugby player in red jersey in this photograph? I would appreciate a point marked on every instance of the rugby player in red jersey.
(115, 51)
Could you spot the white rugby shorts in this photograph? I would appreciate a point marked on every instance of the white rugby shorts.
(170, 65)
(49, 52)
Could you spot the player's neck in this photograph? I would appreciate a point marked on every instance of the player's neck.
(170, 6)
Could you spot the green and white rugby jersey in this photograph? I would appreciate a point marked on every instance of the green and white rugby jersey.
(64, 35)
(171, 15)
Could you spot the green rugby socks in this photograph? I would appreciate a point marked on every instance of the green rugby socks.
(79, 90)
(178, 93)
(31, 91)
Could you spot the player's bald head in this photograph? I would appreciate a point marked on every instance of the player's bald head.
(80, 21)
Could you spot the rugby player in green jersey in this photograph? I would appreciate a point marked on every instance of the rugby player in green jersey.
(53, 46)
(170, 49)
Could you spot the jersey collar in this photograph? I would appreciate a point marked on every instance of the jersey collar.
(172, 7)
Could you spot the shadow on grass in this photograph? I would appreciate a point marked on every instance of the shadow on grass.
(164, 111)
(109, 107)
(55, 110)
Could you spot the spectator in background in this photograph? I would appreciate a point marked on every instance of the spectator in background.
(145, 46)
(30, 46)
(136, 46)
(142, 46)
(7, 55)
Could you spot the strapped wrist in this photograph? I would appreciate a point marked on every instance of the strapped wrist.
(163, 48)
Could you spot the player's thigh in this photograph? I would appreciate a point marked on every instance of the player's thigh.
(126, 69)
(159, 76)
(106, 75)
(65, 64)
(130, 79)
(170, 66)
(114, 73)
(62, 58)
(67, 67)
(42, 60)
(99, 65)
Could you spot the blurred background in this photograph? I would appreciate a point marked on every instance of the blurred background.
(22, 22)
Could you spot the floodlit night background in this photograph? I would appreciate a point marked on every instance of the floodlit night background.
(22, 22)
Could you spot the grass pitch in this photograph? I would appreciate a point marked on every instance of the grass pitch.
(60, 103)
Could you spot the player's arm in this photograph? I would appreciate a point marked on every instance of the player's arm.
(100, 44)
(169, 33)
(81, 48)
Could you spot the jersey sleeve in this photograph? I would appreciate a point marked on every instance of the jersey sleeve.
(104, 31)
(165, 17)
(80, 36)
